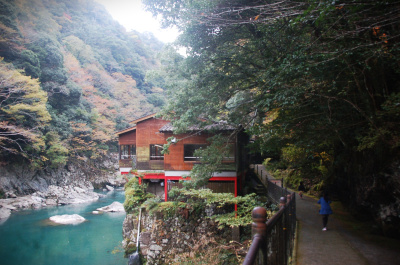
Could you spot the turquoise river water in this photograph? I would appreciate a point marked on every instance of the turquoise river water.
(28, 238)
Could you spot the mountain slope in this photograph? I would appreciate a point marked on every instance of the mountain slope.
(93, 73)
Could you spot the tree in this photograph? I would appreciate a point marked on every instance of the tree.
(22, 113)
(56, 150)
(326, 71)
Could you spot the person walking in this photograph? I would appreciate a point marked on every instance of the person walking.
(301, 189)
(325, 210)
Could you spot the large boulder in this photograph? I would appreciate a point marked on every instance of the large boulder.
(67, 219)
(71, 195)
(113, 207)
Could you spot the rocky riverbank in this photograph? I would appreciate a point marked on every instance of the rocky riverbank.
(54, 195)
(75, 183)
(164, 239)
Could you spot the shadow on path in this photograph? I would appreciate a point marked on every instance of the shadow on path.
(335, 246)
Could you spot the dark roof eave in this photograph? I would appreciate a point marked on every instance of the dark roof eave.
(213, 127)
(126, 130)
(143, 118)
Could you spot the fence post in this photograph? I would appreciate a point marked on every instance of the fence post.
(259, 216)
(258, 229)
(282, 201)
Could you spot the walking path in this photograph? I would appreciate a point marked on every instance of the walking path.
(321, 247)
(337, 245)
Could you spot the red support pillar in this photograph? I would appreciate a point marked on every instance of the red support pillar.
(236, 191)
(166, 189)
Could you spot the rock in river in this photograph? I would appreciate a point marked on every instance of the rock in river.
(67, 219)
(113, 207)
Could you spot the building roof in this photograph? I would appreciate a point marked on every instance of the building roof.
(143, 118)
(217, 126)
(126, 130)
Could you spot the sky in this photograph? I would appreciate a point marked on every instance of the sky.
(131, 15)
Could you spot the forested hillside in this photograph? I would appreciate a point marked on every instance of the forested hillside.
(316, 82)
(70, 77)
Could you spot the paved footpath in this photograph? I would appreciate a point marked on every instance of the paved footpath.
(335, 246)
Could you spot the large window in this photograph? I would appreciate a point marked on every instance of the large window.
(188, 151)
(127, 151)
(155, 152)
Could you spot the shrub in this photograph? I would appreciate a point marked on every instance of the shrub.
(135, 195)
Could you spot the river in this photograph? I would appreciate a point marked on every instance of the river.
(28, 238)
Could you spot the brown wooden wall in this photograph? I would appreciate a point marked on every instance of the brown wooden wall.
(147, 132)
(128, 138)
(175, 159)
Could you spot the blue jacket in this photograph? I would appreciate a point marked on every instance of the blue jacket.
(325, 207)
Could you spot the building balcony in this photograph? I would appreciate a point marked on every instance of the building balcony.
(127, 161)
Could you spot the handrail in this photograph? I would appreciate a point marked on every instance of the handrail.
(138, 232)
(269, 249)
(259, 215)
(134, 258)
(253, 250)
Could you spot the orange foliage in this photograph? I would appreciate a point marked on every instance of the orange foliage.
(109, 96)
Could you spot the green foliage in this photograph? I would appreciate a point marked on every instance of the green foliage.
(156, 99)
(169, 209)
(266, 162)
(29, 61)
(151, 204)
(167, 145)
(293, 155)
(22, 112)
(91, 72)
(210, 161)
(314, 78)
(135, 195)
(56, 152)
(197, 200)
(8, 13)
(388, 118)
(245, 204)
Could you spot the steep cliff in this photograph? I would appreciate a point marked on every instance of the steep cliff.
(22, 187)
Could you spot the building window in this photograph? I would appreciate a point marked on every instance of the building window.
(188, 151)
(155, 152)
(127, 151)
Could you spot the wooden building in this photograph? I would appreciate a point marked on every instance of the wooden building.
(140, 149)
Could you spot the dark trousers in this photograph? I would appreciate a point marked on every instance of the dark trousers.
(325, 219)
